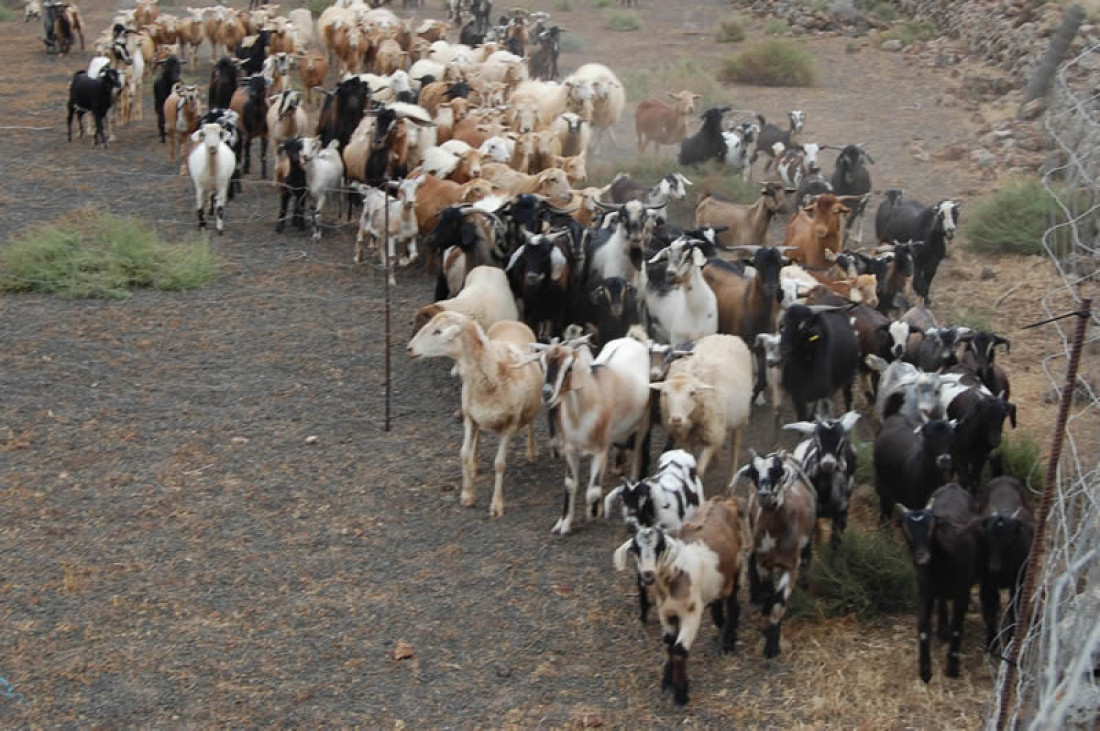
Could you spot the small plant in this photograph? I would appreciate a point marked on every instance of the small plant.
(1011, 220)
(911, 31)
(601, 3)
(563, 6)
(572, 43)
(731, 30)
(6, 14)
(770, 62)
(868, 575)
(316, 7)
(775, 27)
(622, 21)
(1021, 457)
(102, 256)
(878, 9)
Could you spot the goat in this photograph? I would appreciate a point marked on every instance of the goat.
(181, 113)
(484, 298)
(291, 175)
(980, 420)
(944, 541)
(681, 306)
(902, 219)
(827, 458)
(660, 123)
(706, 397)
(910, 462)
(1007, 528)
(746, 299)
(285, 117)
(87, 94)
(666, 499)
(708, 143)
(500, 391)
(819, 353)
(540, 273)
(771, 134)
(598, 403)
(610, 310)
(211, 165)
(746, 225)
(851, 177)
(400, 219)
(938, 350)
(669, 188)
(163, 85)
(780, 517)
(250, 104)
(979, 352)
(688, 573)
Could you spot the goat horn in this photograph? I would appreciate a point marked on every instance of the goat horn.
(819, 309)
(751, 248)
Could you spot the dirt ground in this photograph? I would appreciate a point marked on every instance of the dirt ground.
(205, 523)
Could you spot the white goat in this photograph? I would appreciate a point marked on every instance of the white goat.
(500, 391)
(485, 298)
(403, 227)
(598, 403)
(706, 398)
(324, 174)
(681, 306)
(211, 165)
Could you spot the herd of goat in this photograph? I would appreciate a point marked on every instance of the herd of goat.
(590, 304)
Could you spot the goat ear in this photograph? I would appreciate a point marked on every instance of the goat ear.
(805, 428)
(998, 340)
(609, 500)
(849, 420)
(698, 258)
(899, 511)
(1012, 415)
(659, 386)
(197, 135)
(621, 554)
(557, 263)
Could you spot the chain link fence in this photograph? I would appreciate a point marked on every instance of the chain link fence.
(1056, 681)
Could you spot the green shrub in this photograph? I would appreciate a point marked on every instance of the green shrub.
(102, 256)
(6, 14)
(869, 574)
(865, 466)
(775, 27)
(770, 62)
(563, 6)
(878, 8)
(623, 21)
(911, 31)
(572, 43)
(674, 77)
(1021, 457)
(316, 7)
(1011, 220)
(601, 3)
(731, 30)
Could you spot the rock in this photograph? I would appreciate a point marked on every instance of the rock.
(952, 153)
(844, 10)
(312, 439)
(239, 440)
(987, 274)
(919, 153)
(1002, 133)
(893, 45)
(502, 670)
(1032, 110)
(403, 651)
(983, 158)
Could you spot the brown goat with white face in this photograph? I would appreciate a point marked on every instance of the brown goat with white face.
(686, 574)
(181, 120)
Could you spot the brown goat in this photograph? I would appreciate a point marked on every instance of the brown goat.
(181, 119)
(661, 123)
(815, 229)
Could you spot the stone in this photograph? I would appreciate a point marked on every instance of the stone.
(403, 651)
(1032, 110)
(919, 153)
(987, 274)
(952, 153)
(502, 670)
(893, 45)
(983, 158)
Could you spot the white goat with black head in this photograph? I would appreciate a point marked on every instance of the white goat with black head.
(680, 304)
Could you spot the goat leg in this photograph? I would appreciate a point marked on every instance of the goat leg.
(957, 615)
(263, 157)
(532, 446)
(924, 631)
(496, 507)
(991, 604)
(284, 199)
(943, 631)
(573, 466)
(775, 608)
(733, 616)
(593, 496)
(469, 461)
(677, 662)
(643, 600)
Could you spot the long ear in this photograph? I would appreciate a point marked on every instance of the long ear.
(998, 340)
(557, 263)
(698, 258)
(899, 511)
(805, 428)
(849, 420)
(620, 555)
(658, 386)
(609, 500)
(197, 135)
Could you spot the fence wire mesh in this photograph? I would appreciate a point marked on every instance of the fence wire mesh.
(1057, 683)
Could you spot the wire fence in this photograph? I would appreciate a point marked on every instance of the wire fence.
(1055, 683)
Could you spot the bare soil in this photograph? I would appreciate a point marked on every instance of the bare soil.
(205, 523)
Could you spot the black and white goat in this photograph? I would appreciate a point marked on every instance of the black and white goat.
(828, 459)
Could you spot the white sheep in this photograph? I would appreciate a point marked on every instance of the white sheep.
(211, 165)
(500, 393)
(402, 229)
(706, 398)
(485, 298)
(608, 100)
(301, 28)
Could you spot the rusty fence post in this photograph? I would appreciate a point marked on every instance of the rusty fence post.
(1050, 487)
(386, 274)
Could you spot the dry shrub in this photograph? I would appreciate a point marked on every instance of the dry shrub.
(770, 62)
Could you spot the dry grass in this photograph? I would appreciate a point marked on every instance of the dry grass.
(770, 62)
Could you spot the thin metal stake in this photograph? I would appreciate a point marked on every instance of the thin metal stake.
(387, 274)
(1035, 556)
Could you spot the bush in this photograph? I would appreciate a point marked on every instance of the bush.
(102, 256)
(601, 3)
(6, 14)
(869, 574)
(911, 31)
(1011, 220)
(640, 83)
(316, 7)
(571, 43)
(731, 30)
(1021, 457)
(622, 21)
(563, 6)
(878, 8)
(770, 62)
(775, 27)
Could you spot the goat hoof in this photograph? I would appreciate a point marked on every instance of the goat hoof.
(496, 511)
(467, 501)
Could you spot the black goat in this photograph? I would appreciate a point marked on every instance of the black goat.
(162, 88)
(945, 542)
(252, 57)
(979, 426)
(828, 459)
(819, 354)
(294, 184)
(939, 349)
(87, 94)
(224, 79)
(770, 134)
(910, 462)
(851, 177)
(708, 143)
(251, 105)
(342, 111)
(979, 352)
(611, 309)
(1008, 527)
(540, 273)
(901, 219)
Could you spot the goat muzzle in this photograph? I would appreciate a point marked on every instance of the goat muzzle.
(647, 577)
